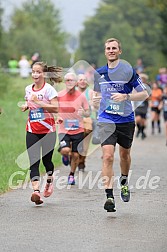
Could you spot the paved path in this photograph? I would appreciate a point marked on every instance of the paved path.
(74, 219)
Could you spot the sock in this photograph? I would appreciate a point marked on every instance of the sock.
(71, 174)
(152, 123)
(37, 191)
(124, 179)
(109, 193)
(159, 126)
(138, 126)
(142, 129)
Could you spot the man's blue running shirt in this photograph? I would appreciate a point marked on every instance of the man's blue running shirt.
(122, 79)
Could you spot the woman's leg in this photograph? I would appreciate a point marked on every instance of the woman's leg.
(48, 145)
(33, 149)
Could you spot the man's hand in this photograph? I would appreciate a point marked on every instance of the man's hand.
(81, 111)
(118, 97)
(59, 120)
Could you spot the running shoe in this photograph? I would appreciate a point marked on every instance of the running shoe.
(65, 160)
(36, 198)
(71, 180)
(138, 133)
(48, 190)
(125, 193)
(110, 205)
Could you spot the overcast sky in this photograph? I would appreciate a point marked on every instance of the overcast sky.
(73, 12)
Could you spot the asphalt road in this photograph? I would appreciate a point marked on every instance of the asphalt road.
(73, 219)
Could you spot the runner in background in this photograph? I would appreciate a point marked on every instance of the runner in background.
(141, 109)
(163, 106)
(155, 99)
(83, 87)
(73, 106)
(161, 78)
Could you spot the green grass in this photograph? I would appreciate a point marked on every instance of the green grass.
(12, 130)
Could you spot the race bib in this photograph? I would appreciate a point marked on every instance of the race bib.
(115, 107)
(155, 103)
(71, 124)
(37, 115)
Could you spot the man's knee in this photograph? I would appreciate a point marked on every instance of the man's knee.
(108, 157)
(125, 156)
(65, 151)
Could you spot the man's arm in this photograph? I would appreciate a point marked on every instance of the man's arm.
(135, 96)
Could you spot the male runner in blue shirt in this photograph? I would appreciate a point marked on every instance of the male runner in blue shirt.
(113, 94)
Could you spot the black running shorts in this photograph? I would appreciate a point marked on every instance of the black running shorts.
(71, 141)
(121, 133)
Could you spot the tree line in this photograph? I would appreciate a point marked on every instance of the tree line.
(140, 25)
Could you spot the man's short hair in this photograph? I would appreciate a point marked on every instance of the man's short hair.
(114, 39)
(70, 74)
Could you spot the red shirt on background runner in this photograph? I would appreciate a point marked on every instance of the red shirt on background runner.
(69, 104)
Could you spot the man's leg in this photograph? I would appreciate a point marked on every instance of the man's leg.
(107, 169)
(66, 154)
(125, 162)
(65, 148)
(108, 174)
(74, 161)
(75, 141)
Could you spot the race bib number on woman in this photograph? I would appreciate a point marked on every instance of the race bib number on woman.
(37, 115)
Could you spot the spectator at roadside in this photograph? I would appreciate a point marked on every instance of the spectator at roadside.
(35, 58)
(13, 65)
(24, 66)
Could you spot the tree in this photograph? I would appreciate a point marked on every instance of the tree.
(36, 27)
(1, 29)
(161, 7)
(134, 27)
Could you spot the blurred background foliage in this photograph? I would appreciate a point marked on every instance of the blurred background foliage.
(140, 25)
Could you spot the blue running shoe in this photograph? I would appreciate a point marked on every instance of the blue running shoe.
(125, 193)
(71, 180)
(65, 160)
